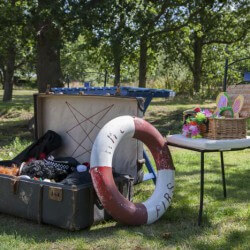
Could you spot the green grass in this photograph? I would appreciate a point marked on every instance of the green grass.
(14, 117)
(226, 222)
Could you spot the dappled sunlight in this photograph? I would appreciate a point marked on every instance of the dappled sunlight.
(225, 221)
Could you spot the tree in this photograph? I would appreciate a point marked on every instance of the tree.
(111, 32)
(56, 22)
(154, 19)
(13, 40)
(47, 18)
(79, 57)
(216, 22)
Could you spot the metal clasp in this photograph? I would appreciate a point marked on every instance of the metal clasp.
(55, 193)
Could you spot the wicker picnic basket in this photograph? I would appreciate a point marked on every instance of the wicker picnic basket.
(226, 128)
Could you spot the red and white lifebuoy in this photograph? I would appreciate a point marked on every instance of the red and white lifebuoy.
(101, 171)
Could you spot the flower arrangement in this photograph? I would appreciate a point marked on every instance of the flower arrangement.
(192, 125)
(196, 120)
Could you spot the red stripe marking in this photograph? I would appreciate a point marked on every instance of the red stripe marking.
(114, 202)
(152, 138)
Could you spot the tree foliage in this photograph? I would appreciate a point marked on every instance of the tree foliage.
(198, 45)
(176, 44)
(15, 46)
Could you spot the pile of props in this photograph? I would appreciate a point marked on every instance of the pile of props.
(36, 163)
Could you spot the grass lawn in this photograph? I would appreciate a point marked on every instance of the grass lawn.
(226, 222)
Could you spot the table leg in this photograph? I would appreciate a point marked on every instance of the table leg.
(201, 189)
(223, 174)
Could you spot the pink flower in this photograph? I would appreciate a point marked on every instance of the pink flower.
(185, 130)
(194, 130)
(190, 130)
(207, 112)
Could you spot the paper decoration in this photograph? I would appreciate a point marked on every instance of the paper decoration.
(224, 105)
(222, 101)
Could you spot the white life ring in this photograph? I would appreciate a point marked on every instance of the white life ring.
(103, 149)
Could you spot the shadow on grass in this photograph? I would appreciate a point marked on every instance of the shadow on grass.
(177, 221)
(237, 183)
(167, 122)
(180, 100)
(233, 240)
(22, 102)
(15, 122)
(10, 130)
(180, 220)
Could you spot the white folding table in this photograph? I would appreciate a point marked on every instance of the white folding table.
(206, 146)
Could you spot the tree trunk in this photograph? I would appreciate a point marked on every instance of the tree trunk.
(48, 66)
(117, 71)
(116, 51)
(8, 74)
(1, 77)
(197, 65)
(143, 62)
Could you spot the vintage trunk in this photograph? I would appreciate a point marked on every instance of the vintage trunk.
(69, 207)
(77, 119)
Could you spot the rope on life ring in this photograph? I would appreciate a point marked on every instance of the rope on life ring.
(113, 201)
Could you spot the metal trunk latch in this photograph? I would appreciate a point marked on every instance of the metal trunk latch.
(55, 193)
